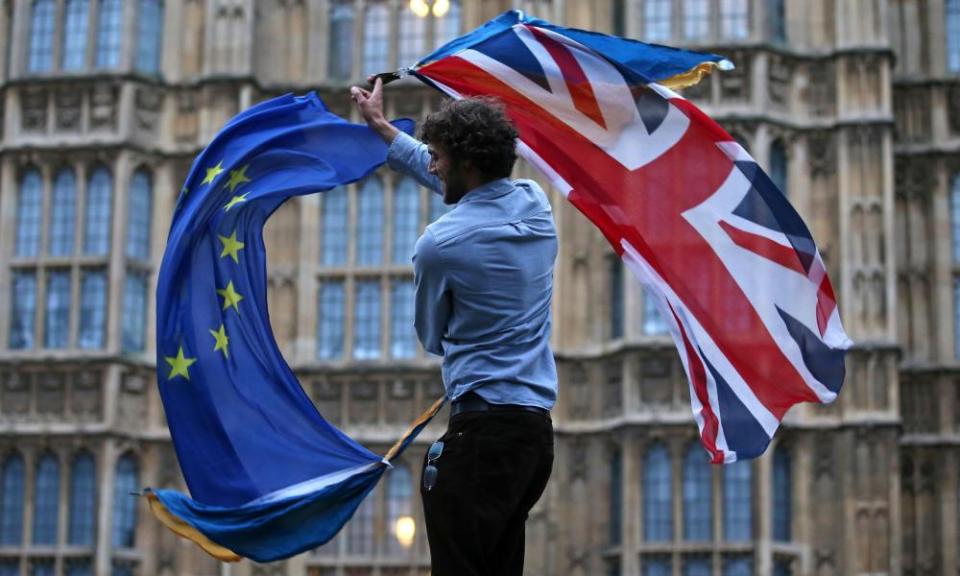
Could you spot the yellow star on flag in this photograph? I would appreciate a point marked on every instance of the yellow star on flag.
(234, 201)
(213, 173)
(231, 246)
(179, 365)
(230, 297)
(222, 340)
(238, 177)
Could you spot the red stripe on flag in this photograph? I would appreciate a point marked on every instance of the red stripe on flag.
(826, 304)
(785, 256)
(578, 84)
(698, 376)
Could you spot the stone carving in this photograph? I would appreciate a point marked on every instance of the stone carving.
(735, 84)
(822, 89)
(132, 408)
(85, 395)
(14, 394)
(613, 388)
(822, 154)
(578, 460)
(50, 394)
(186, 123)
(579, 387)
(147, 104)
(326, 397)
(399, 407)
(33, 110)
(363, 402)
(68, 106)
(953, 108)
(656, 386)
(779, 75)
(103, 107)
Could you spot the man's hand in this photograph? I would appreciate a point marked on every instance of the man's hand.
(370, 105)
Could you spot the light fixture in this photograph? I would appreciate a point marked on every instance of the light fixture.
(420, 8)
(405, 529)
(441, 7)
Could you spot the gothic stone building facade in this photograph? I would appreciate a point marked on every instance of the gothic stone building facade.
(852, 105)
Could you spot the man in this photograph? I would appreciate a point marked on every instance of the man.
(484, 282)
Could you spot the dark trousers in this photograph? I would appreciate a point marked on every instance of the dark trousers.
(494, 467)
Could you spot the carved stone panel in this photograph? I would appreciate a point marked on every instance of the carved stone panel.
(147, 103)
(779, 75)
(613, 388)
(656, 387)
(33, 110)
(103, 107)
(735, 84)
(185, 124)
(400, 407)
(326, 397)
(85, 395)
(822, 89)
(68, 105)
(14, 394)
(363, 402)
(953, 108)
(133, 401)
(50, 394)
(578, 387)
(822, 153)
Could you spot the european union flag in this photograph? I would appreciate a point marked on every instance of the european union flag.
(268, 476)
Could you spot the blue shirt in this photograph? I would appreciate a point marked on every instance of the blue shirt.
(484, 282)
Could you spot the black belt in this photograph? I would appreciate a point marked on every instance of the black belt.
(471, 402)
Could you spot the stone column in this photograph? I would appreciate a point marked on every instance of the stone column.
(108, 459)
(118, 245)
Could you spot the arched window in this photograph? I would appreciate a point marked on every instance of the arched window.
(616, 496)
(777, 20)
(56, 332)
(109, 33)
(75, 34)
(376, 38)
(366, 321)
(23, 310)
(330, 320)
(406, 219)
(734, 19)
(83, 500)
(29, 213)
(340, 53)
(149, 35)
(696, 19)
(782, 513)
(402, 343)
(412, 38)
(42, 25)
(401, 529)
(97, 224)
(447, 27)
(657, 20)
(657, 488)
(46, 500)
(370, 222)
(953, 35)
(778, 166)
(335, 219)
(93, 309)
(134, 312)
(697, 495)
(11, 501)
(124, 503)
(737, 502)
(359, 531)
(616, 298)
(62, 214)
(138, 216)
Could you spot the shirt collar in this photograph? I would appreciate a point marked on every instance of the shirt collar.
(488, 191)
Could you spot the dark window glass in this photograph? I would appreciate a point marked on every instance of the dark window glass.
(616, 298)
(657, 504)
(402, 343)
(62, 214)
(78, 567)
(46, 500)
(330, 322)
(335, 221)
(696, 19)
(370, 222)
(697, 567)
(616, 497)
(657, 20)
(697, 496)
(738, 566)
(737, 502)
(776, 19)
(56, 332)
(138, 216)
(778, 167)
(359, 531)
(23, 309)
(149, 35)
(97, 225)
(955, 217)
(366, 321)
(29, 214)
(11, 501)
(134, 312)
(109, 37)
(126, 482)
(83, 501)
(9, 567)
(406, 220)
(376, 38)
(734, 19)
(75, 34)
(42, 25)
(782, 513)
(656, 566)
(42, 567)
(93, 309)
(340, 56)
(953, 35)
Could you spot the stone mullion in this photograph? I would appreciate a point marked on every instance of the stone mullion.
(63, 456)
(59, 29)
(307, 284)
(120, 179)
(93, 25)
(8, 227)
(107, 465)
(40, 313)
(763, 510)
(79, 237)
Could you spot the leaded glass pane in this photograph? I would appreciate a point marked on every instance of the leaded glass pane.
(62, 214)
(400, 511)
(412, 40)
(83, 501)
(657, 503)
(23, 309)
(79, 567)
(406, 220)
(134, 312)
(657, 19)
(697, 566)
(46, 500)
(109, 37)
(952, 9)
(737, 502)
(616, 299)
(738, 566)
(366, 321)
(138, 216)
(93, 309)
(97, 224)
(778, 167)
(734, 19)
(75, 34)
(376, 38)
(42, 25)
(149, 35)
(9, 567)
(330, 320)
(11, 501)
(370, 222)
(335, 223)
(656, 566)
(653, 322)
(696, 19)
(57, 327)
(697, 496)
(402, 342)
(776, 18)
(29, 214)
(126, 484)
(359, 531)
(42, 567)
(340, 55)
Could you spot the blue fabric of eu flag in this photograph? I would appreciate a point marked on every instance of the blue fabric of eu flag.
(268, 476)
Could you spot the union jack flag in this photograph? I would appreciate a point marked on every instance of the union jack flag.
(732, 266)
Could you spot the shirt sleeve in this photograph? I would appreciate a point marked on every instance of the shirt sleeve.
(433, 302)
(409, 156)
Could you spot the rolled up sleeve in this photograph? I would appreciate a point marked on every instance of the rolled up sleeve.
(409, 156)
(433, 299)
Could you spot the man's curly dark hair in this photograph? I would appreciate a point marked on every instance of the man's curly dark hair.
(474, 129)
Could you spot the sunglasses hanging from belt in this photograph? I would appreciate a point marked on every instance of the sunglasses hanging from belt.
(430, 472)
